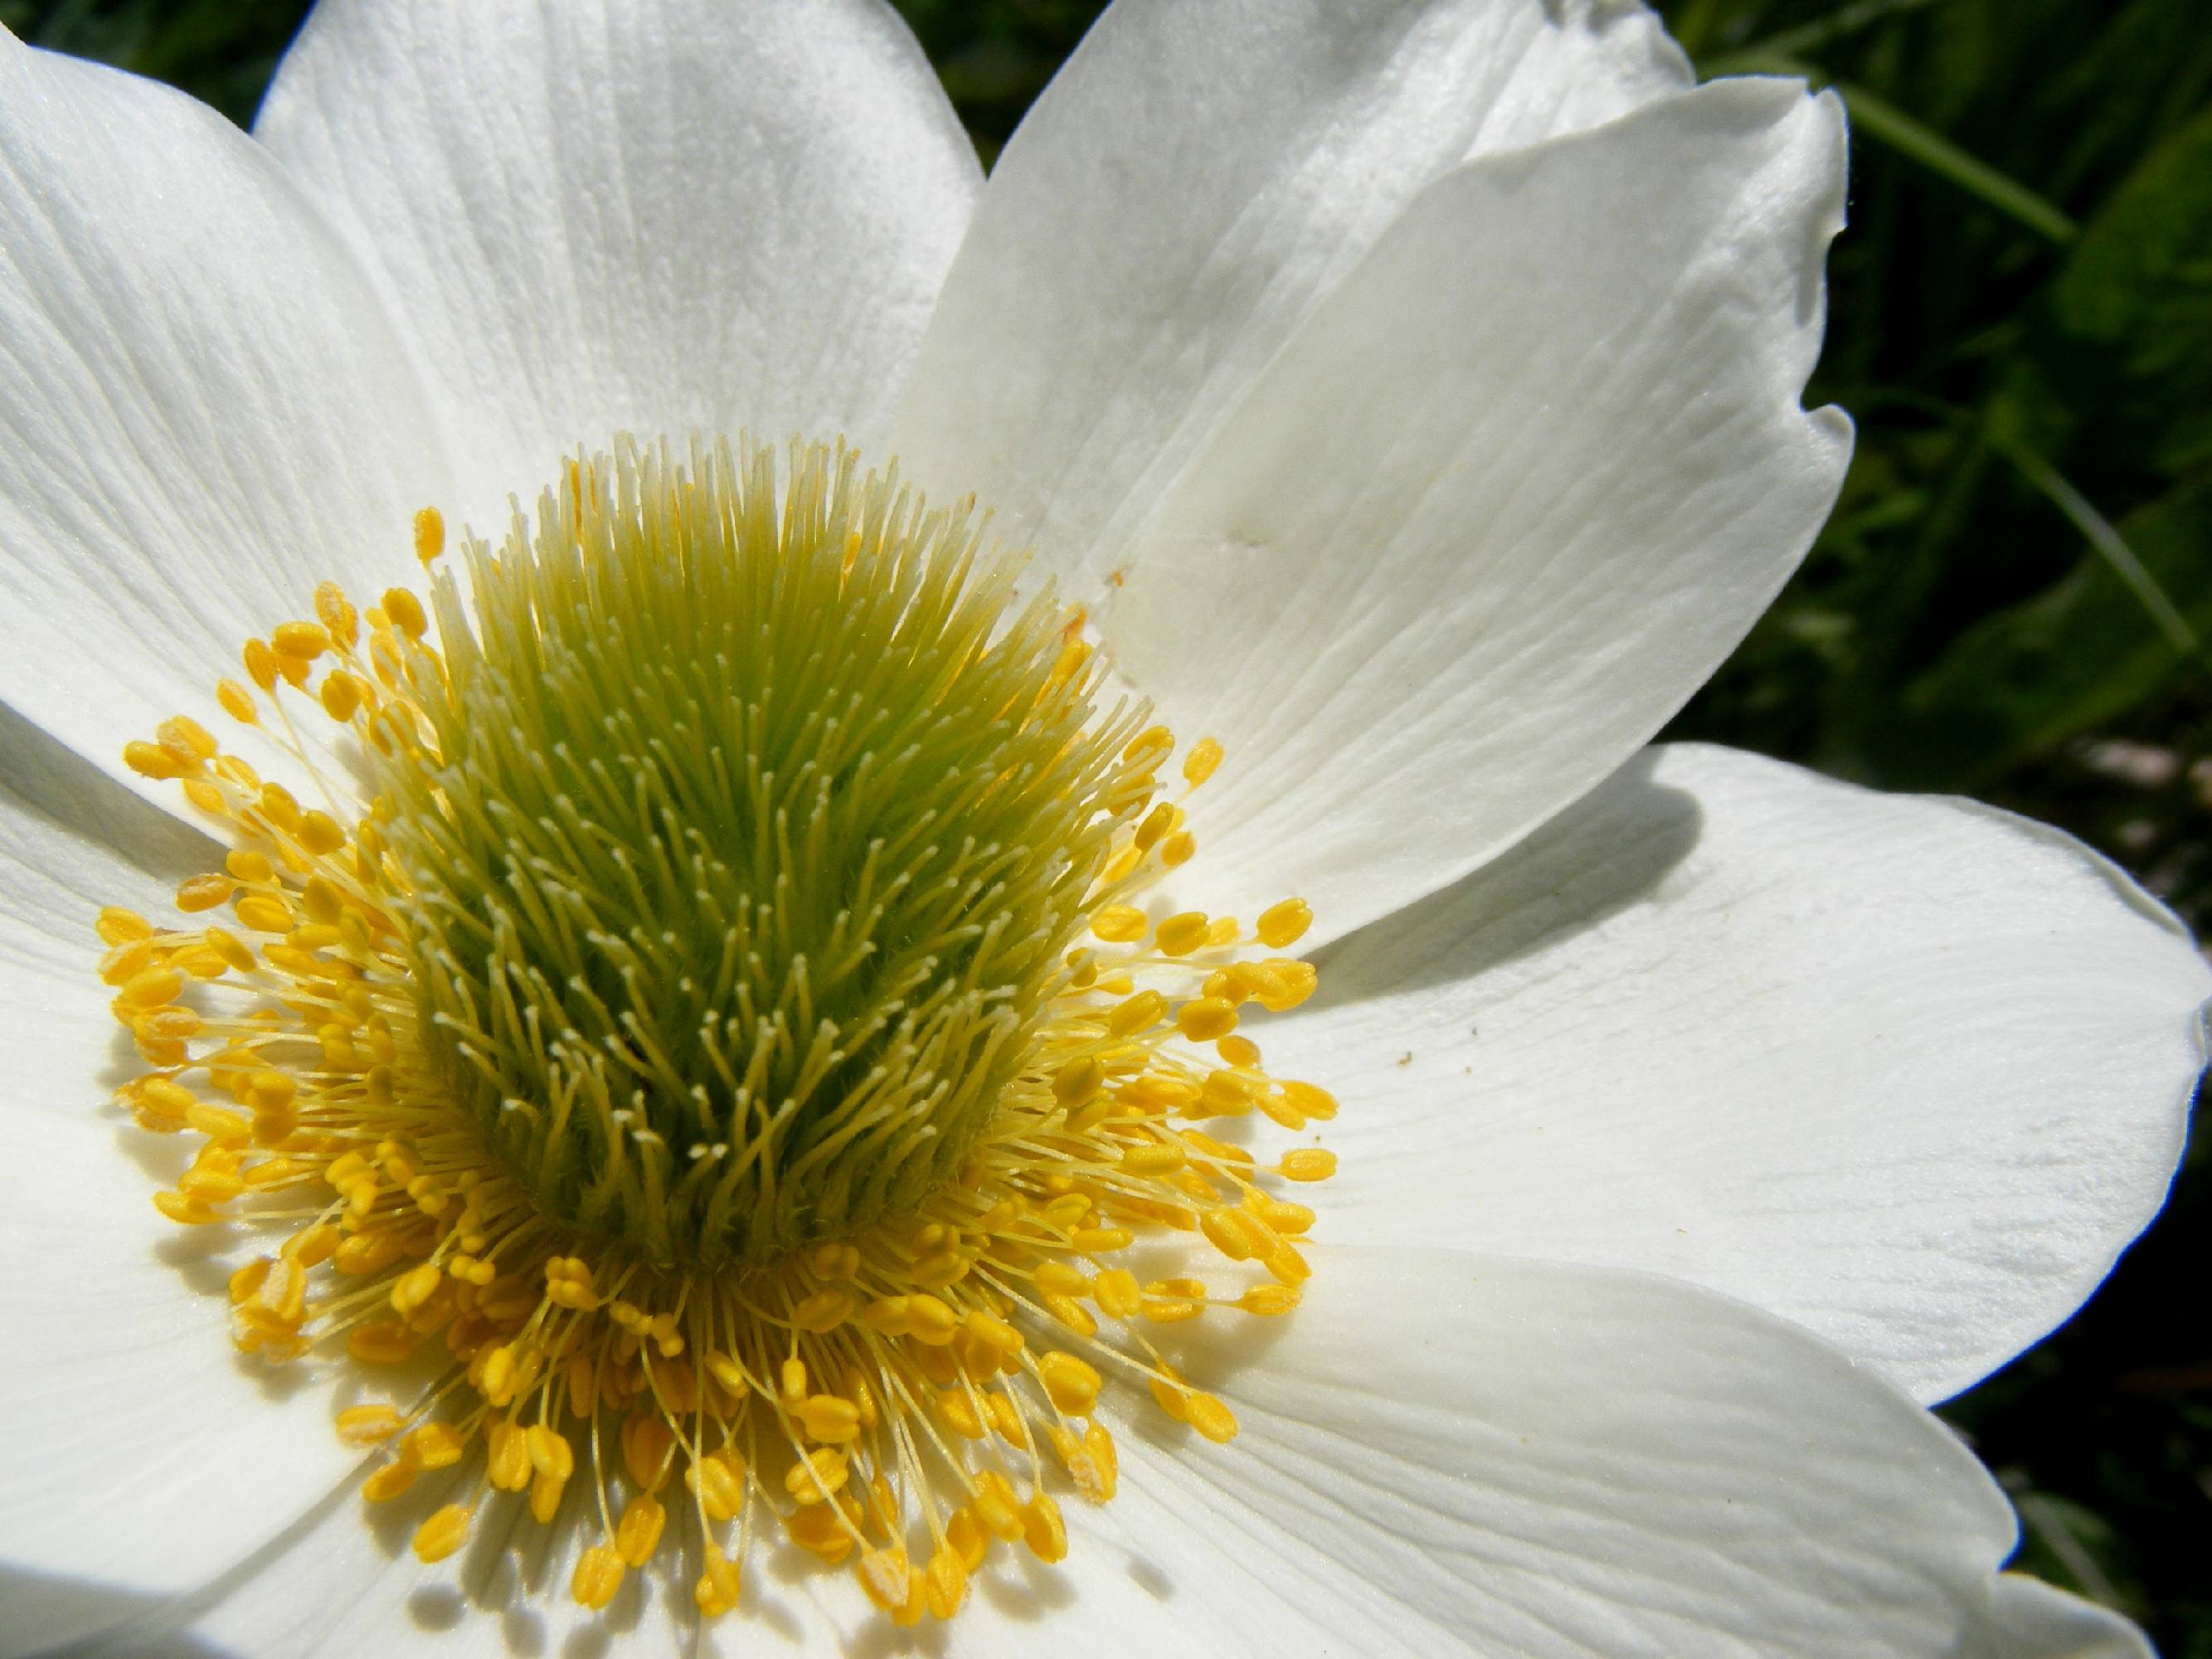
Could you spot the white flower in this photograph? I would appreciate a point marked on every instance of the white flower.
(1412, 391)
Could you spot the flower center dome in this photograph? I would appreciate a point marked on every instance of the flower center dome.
(719, 1040)
(743, 849)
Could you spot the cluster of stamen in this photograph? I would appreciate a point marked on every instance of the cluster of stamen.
(843, 1251)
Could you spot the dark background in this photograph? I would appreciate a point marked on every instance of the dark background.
(2012, 599)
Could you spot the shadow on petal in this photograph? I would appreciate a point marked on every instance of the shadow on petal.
(1377, 958)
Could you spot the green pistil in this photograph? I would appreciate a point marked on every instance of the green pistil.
(745, 848)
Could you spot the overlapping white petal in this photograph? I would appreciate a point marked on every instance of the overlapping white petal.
(205, 414)
(1452, 1453)
(657, 217)
(1446, 1452)
(1197, 177)
(2027, 1619)
(1506, 500)
(1910, 1071)
(144, 1458)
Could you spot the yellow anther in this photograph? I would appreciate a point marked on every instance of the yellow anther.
(946, 1582)
(1176, 849)
(1155, 1157)
(249, 866)
(1280, 1216)
(1317, 1103)
(600, 1569)
(1284, 983)
(434, 1446)
(1204, 1019)
(279, 806)
(931, 1320)
(821, 1529)
(1119, 924)
(302, 640)
(368, 1425)
(151, 988)
(237, 702)
(1284, 924)
(336, 613)
(260, 664)
(266, 913)
(638, 1533)
(248, 1279)
(320, 898)
(1288, 1266)
(1228, 1232)
(728, 1375)
(1078, 1080)
(1238, 1051)
(390, 1482)
(1157, 823)
(1209, 1417)
(269, 1090)
(429, 543)
(956, 1409)
(1199, 764)
(185, 738)
(1071, 1313)
(992, 1331)
(1224, 1094)
(547, 1451)
(719, 1480)
(382, 1342)
(1118, 1293)
(793, 1376)
(1059, 1279)
(366, 1253)
(717, 1590)
(315, 1246)
(319, 834)
(824, 1311)
(405, 612)
(1269, 1300)
(1072, 1384)
(1042, 1529)
(127, 961)
(1138, 1013)
(887, 1315)
(816, 1475)
(116, 926)
(1179, 935)
(1308, 1163)
(415, 1286)
(1149, 747)
(508, 1465)
(205, 893)
(829, 1418)
(218, 1123)
(647, 1444)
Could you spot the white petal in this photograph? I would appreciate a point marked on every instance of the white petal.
(664, 216)
(1910, 1071)
(144, 1458)
(2027, 1619)
(345, 1582)
(1453, 1454)
(206, 412)
(1439, 1454)
(1506, 501)
(1197, 177)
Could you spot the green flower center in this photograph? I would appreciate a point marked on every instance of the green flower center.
(746, 843)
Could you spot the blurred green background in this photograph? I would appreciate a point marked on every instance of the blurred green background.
(2013, 599)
